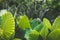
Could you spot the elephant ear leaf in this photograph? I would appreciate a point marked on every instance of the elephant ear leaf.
(34, 23)
(33, 35)
(39, 27)
(47, 23)
(54, 35)
(16, 39)
(44, 31)
(56, 23)
(24, 22)
(7, 24)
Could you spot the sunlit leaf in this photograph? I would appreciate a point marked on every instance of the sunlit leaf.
(7, 24)
(33, 35)
(24, 22)
(56, 23)
(44, 32)
(54, 35)
(47, 23)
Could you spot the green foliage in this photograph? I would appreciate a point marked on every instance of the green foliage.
(33, 35)
(33, 29)
(54, 35)
(47, 23)
(44, 32)
(20, 1)
(24, 22)
(33, 9)
(39, 27)
(49, 2)
(28, 31)
(1, 1)
(1, 32)
(17, 39)
(34, 23)
(56, 24)
(7, 25)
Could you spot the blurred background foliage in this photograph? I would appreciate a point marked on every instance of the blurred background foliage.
(32, 8)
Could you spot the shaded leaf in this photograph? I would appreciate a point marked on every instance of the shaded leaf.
(34, 23)
(39, 27)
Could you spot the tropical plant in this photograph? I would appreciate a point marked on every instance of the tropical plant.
(25, 14)
(7, 25)
(16, 39)
(31, 29)
(44, 29)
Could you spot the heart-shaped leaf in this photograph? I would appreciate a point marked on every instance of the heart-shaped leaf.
(39, 27)
(44, 32)
(56, 24)
(34, 23)
(47, 23)
(33, 35)
(24, 22)
(54, 35)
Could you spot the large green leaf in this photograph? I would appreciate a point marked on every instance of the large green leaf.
(39, 27)
(16, 39)
(56, 24)
(33, 35)
(24, 22)
(47, 23)
(34, 23)
(7, 24)
(27, 33)
(44, 31)
(54, 35)
(43, 28)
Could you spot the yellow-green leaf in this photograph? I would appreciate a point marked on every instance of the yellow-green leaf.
(47, 23)
(7, 24)
(33, 35)
(24, 22)
(56, 23)
(54, 35)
